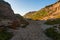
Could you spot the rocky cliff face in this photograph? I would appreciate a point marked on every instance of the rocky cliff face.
(6, 10)
(22, 20)
(49, 12)
(7, 16)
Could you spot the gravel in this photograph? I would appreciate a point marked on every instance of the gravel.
(32, 32)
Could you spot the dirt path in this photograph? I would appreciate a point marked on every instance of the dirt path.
(32, 32)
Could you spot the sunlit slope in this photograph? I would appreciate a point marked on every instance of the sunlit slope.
(49, 12)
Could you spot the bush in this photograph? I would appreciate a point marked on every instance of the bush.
(50, 32)
(52, 22)
(5, 35)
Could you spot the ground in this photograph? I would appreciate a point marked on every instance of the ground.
(32, 32)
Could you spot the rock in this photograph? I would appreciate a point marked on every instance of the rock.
(7, 16)
(22, 20)
(6, 10)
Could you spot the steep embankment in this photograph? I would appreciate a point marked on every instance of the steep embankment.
(8, 18)
(51, 11)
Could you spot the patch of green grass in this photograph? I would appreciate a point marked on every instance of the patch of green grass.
(5, 35)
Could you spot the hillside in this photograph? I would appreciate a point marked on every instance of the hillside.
(49, 12)
(15, 27)
(29, 14)
(9, 18)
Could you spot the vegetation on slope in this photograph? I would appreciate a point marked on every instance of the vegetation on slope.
(40, 14)
(4, 35)
(48, 12)
(52, 22)
(52, 33)
(29, 15)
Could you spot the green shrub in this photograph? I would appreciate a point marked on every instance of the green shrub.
(52, 33)
(5, 35)
(55, 21)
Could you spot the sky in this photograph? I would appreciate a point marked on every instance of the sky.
(24, 6)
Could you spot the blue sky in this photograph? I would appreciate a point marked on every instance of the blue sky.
(23, 6)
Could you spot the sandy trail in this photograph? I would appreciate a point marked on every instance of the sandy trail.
(32, 32)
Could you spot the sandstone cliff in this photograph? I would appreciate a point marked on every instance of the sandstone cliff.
(49, 12)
